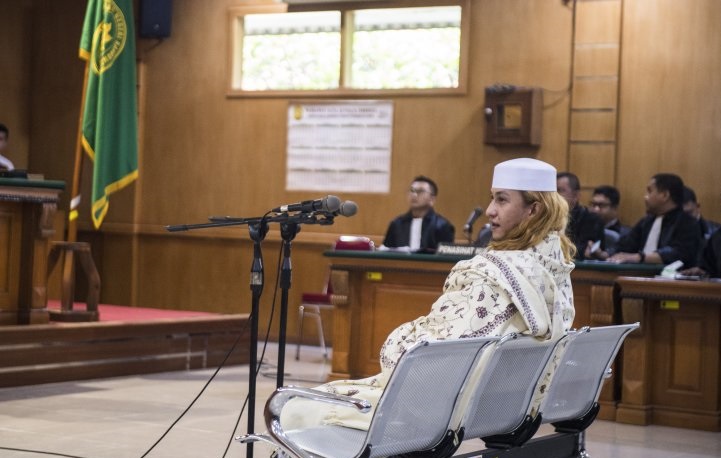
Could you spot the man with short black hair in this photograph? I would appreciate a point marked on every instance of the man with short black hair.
(584, 228)
(5, 163)
(667, 233)
(693, 209)
(421, 228)
(604, 203)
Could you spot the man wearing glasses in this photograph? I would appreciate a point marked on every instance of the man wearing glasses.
(604, 203)
(421, 228)
(584, 228)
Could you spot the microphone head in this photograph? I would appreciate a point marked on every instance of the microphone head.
(330, 204)
(348, 208)
(478, 211)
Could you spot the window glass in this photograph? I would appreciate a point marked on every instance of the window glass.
(291, 51)
(406, 48)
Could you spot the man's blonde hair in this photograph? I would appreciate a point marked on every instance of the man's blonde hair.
(551, 215)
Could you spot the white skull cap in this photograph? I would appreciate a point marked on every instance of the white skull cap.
(524, 174)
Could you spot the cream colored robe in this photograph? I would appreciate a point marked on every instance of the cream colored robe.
(494, 293)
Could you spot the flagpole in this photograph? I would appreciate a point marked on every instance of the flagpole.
(68, 272)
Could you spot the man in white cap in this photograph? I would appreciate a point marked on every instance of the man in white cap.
(520, 283)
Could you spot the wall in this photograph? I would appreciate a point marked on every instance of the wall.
(16, 33)
(203, 153)
(669, 104)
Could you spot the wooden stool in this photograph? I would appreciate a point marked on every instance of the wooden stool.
(66, 312)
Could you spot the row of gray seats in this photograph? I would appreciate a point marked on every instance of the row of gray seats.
(443, 392)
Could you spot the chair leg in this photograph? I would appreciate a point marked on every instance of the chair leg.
(321, 335)
(301, 315)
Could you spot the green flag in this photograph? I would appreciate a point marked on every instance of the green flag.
(109, 126)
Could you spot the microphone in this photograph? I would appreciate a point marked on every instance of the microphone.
(347, 208)
(475, 214)
(326, 204)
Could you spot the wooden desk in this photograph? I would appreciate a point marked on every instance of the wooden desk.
(26, 224)
(374, 292)
(672, 364)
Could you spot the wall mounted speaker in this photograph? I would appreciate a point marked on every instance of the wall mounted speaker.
(155, 18)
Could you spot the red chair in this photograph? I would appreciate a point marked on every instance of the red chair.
(312, 303)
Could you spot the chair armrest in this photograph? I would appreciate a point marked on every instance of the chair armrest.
(280, 398)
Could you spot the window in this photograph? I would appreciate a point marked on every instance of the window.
(419, 48)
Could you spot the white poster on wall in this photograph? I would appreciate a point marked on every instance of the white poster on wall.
(339, 146)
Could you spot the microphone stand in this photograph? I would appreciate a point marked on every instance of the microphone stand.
(288, 232)
(257, 231)
(258, 228)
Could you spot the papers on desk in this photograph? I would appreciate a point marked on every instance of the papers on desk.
(396, 249)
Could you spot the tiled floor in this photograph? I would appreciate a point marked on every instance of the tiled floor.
(123, 417)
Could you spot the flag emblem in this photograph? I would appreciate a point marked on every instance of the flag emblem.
(109, 37)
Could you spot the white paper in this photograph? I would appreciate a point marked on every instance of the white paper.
(339, 146)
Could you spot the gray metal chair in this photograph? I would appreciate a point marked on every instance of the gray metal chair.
(413, 413)
(500, 405)
(571, 403)
(584, 366)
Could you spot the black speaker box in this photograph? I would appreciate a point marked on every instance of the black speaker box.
(155, 18)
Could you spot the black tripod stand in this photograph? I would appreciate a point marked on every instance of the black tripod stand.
(258, 228)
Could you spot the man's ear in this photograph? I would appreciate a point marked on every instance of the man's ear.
(667, 194)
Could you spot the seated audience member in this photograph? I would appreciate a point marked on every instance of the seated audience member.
(5, 163)
(693, 208)
(421, 228)
(604, 203)
(709, 263)
(584, 227)
(520, 283)
(666, 234)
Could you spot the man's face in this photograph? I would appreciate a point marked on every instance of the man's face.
(3, 142)
(692, 209)
(564, 189)
(654, 198)
(601, 205)
(420, 196)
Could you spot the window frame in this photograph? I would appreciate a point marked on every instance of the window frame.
(235, 42)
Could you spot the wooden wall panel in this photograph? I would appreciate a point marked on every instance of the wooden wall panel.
(593, 163)
(593, 60)
(594, 93)
(15, 67)
(669, 94)
(593, 126)
(206, 154)
(597, 21)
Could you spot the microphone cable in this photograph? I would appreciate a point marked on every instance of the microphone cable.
(40, 452)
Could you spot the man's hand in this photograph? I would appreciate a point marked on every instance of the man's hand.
(598, 254)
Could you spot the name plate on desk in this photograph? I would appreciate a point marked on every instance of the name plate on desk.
(458, 250)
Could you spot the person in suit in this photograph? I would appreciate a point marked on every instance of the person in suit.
(420, 228)
(709, 263)
(666, 234)
(584, 227)
(604, 203)
(693, 209)
(5, 163)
